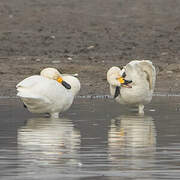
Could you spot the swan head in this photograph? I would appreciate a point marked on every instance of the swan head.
(50, 73)
(116, 77)
(54, 74)
(73, 82)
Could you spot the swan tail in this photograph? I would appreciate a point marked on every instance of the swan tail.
(33, 102)
(26, 94)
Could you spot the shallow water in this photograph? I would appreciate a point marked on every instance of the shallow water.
(95, 139)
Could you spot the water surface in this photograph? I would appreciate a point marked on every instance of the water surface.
(95, 139)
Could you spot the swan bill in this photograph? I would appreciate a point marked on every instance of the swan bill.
(126, 86)
(121, 80)
(64, 83)
(127, 83)
(124, 82)
(117, 91)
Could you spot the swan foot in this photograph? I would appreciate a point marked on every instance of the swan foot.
(55, 115)
(141, 109)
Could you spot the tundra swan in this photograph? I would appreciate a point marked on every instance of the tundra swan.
(50, 92)
(133, 84)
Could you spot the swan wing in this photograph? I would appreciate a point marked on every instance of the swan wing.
(26, 89)
(141, 68)
(30, 81)
(31, 97)
(41, 95)
(149, 69)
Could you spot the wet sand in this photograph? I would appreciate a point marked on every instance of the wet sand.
(88, 37)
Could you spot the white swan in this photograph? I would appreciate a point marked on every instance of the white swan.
(134, 84)
(50, 92)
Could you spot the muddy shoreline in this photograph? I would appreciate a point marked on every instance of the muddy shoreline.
(88, 38)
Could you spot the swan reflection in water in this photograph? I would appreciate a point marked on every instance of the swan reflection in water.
(49, 141)
(132, 140)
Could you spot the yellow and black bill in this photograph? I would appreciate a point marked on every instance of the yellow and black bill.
(64, 83)
(124, 82)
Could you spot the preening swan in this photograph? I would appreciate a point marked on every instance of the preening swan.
(133, 84)
(50, 92)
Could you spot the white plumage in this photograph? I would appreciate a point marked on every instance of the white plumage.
(143, 76)
(46, 95)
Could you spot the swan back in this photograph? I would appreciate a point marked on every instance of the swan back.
(142, 73)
